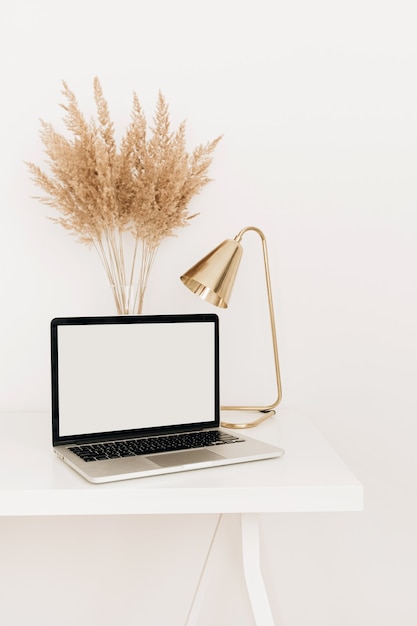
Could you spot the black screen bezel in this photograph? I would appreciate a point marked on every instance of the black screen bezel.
(80, 438)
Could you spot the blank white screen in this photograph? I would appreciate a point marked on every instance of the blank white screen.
(125, 376)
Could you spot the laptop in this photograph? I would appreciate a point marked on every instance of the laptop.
(138, 395)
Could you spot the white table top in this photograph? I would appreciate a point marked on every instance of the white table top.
(309, 477)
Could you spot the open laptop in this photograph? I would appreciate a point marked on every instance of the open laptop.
(136, 396)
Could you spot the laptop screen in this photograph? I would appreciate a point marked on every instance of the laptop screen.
(130, 375)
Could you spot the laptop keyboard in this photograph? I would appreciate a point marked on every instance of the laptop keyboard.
(152, 445)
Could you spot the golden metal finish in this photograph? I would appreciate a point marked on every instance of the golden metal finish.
(264, 416)
(212, 279)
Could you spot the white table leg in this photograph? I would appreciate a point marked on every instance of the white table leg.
(251, 569)
(203, 580)
(251, 565)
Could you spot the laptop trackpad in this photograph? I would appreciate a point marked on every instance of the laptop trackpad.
(184, 458)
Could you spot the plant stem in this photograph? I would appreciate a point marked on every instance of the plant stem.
(110, 249)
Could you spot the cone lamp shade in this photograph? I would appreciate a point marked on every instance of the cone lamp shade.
(212, 279)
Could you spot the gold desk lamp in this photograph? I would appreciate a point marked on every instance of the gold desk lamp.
(212, 280)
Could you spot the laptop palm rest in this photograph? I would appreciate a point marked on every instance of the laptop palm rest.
(184, 458)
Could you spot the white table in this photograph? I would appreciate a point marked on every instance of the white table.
(310, 477)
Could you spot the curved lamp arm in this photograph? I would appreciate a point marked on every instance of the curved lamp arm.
(267, 411)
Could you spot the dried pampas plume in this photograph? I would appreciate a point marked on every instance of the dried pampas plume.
(103, 192)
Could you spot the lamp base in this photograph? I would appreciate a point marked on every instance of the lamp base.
(263, 414)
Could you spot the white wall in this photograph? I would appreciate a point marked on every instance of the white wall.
(317, 102)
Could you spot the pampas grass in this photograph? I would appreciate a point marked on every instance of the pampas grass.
(108, 194)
